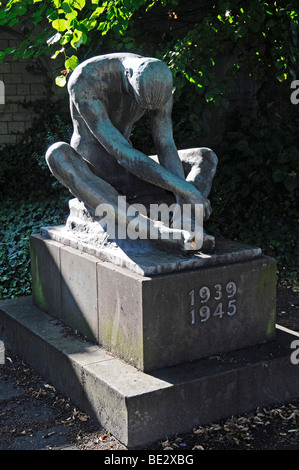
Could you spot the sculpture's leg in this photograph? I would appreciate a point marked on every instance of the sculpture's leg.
(72, 171)
(200, 167)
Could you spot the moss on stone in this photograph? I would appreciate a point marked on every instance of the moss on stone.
(121, 344)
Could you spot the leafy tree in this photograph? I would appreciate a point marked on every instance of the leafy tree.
(215, 49)
(258, 39)
(62, 26)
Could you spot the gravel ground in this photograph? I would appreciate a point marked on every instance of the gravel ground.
(34, 416)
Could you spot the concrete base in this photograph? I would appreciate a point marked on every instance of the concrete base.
(139, 408)
(160, 320)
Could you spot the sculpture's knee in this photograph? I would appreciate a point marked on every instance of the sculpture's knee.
(56, 154)
(211, 156)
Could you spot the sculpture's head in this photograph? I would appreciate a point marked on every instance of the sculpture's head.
(150, 81)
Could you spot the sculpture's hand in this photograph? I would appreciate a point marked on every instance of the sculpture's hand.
(196, 198)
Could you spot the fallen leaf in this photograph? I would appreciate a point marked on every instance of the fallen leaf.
(198, 431)
(165, 443)
(83, 418)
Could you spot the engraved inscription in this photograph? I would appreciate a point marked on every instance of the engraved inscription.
(217, 301)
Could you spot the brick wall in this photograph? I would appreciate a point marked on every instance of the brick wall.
(21, 85)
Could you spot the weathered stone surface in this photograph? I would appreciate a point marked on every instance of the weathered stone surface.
(163, 320)
(139, 408)
(79, 292)
(160, 321)
(64, 284)
(45, 273)
(144, 259)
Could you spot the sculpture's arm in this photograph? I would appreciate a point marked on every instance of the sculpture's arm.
(168, 156)
(161, 125)
(94, 113)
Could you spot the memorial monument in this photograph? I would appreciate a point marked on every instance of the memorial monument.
(101, 168)
(108, 94)
(177, 325)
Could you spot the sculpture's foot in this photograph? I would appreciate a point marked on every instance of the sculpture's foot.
(196, 239)
(205, 244)
(184, 240)
(208, 244)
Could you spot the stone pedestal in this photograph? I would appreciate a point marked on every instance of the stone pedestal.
(159, 320)
(171, 341)
(139, 408)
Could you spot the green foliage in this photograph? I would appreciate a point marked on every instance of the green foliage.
(73, 22)
(214, 50)
(18, 220)
(250, 204)
(63, 26)
(23, 169)
(261, 39)
(258, 40)
(56, 131)
(30, 196)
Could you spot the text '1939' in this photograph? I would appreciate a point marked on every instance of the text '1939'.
(215, 301)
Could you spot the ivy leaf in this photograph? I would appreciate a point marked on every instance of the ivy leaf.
(79, 4)
(291, 183)
(60, 24)
(79, 37)
(60, 81)
(57, 53)
(66, 7)
(278, 175)
(66, 37)
(72, 62)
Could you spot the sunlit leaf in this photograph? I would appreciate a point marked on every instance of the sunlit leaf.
(60, 24)
(72, 62)
(60, 80)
